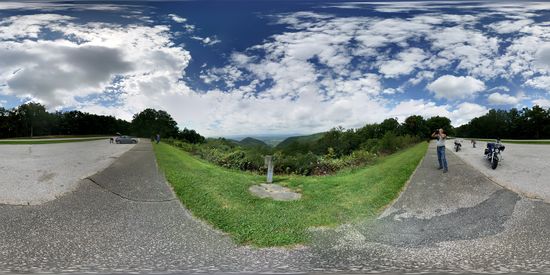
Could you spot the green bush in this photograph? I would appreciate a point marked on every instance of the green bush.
(227, 154)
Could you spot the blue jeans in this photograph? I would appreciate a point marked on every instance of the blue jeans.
(441, 157)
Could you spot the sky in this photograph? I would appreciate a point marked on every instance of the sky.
(276, 67)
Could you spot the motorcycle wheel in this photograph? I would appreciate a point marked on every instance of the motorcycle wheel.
(494, 162)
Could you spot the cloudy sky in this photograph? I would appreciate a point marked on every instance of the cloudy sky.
(276, 67)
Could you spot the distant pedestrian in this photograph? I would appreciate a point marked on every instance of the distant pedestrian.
(441, 137)
(112, 140)
(473, 143)
(157, 138)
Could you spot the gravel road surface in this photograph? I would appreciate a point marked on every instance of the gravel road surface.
(34, 174)
(524, 168)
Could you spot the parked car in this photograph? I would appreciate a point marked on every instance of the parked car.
(125, 140)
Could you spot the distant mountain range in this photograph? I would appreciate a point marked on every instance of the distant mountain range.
(252, 142)
(276, 141)
(300, 139)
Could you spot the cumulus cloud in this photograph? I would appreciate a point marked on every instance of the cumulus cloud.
(540, 82)
(322, 71)
(452, 87)
(59, 72)
(404, 63)
(177, 19)
(542, 57)
(502, 99)
(542, 102)
(465, 111)
(510, 26)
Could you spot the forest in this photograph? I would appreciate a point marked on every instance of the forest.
(32, 120)
(526, 123)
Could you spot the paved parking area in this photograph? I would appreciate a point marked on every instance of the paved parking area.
(126, 219)
(525, 168)
(37, 173)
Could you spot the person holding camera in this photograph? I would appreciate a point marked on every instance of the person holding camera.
(440, 143)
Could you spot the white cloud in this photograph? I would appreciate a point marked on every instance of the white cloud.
(420, 107)
(28, 26)
(320, 72)
(542, 102)
(177, 19)
(542, 57)
(541, 82)
(509, 26)
(452, 87)
(465, 111)
(58, 72)
(404, 63)
(502, 99)
(207, 40)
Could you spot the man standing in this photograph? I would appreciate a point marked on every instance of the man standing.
(441, 137)
(157, 138)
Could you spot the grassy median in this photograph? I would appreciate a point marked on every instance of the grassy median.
(220, 196)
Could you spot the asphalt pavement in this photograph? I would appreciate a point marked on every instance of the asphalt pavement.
(126, 219)
(523, 168)
(460, 221)
(37, 173)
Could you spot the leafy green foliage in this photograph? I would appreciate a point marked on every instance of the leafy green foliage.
(319, 154)
(32, 119)
(527, 123)
(298, 142)
(151, 122)
(438, 122)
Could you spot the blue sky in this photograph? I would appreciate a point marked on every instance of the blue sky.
(276, 67)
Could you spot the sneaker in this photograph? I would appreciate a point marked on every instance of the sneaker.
(445, 171)
(439, 168)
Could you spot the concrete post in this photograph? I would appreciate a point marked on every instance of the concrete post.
(269, 164)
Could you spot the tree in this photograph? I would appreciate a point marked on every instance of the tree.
(32, 118)
(437, 122)
(415, 125)
(389, 125)
(537, 121)
(150, 122)
(190, 136)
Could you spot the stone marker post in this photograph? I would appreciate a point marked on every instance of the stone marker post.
(269, 164)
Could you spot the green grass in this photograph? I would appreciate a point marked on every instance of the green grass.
(220, 196)
(48, 141)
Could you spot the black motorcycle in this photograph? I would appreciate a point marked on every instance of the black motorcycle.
(492, 153)
(458, 145)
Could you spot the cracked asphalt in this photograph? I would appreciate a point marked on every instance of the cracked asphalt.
(127, 219)
(124, 219)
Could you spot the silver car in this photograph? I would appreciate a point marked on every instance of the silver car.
(125, 140)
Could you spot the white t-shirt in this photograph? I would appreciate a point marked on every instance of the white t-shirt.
(440, 141)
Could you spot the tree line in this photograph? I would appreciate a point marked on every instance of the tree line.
(525, 123)
(32, 119)
(373, 137)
